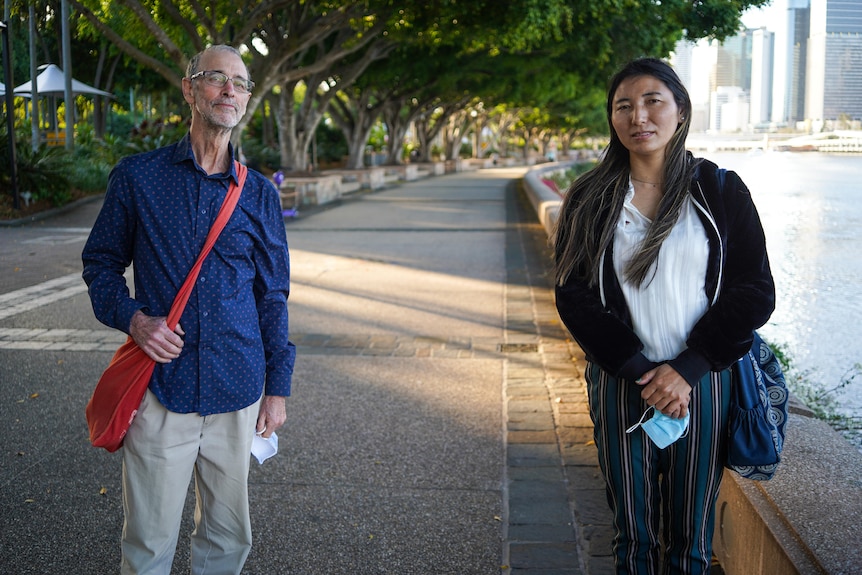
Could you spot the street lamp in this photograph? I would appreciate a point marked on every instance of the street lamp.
(10, 122)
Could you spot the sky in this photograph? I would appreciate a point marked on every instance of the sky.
(769, 16)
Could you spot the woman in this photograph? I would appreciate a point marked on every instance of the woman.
(661, 277)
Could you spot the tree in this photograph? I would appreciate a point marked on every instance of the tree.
(319, 90)
(398, 89)
(533, 53)
(284, 40)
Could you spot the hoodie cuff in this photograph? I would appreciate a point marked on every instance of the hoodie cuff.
(691, 365)
(636, 367)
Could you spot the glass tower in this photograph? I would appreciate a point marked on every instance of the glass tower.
(834, 61)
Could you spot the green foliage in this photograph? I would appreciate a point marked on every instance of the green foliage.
(152, 134)
(377, 138)
(91, 162)
(551, 55)
(53, 173)
(45, 173)
(111, 149)
(565, 179)
(121, 125)
(89, 176)
(331, 145)
(823, 400)
(261, 157)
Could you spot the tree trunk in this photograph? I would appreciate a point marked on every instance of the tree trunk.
(428, 128)
(355, 116)
(397, 119)
(98, 104)
(424, 136)
(293, 141)
(457, 125)
(500, 135)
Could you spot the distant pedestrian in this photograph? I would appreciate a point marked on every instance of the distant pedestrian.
(224, 373)
(661, 277)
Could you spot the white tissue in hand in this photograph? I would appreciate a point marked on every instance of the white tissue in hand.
(263, 448)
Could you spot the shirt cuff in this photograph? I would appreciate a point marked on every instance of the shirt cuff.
(125, 312)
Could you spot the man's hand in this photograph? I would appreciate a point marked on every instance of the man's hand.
(153, 336)
(272, 415)
(667, 390)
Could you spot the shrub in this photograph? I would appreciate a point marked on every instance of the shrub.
(331, 145)
(152, 134)
(565, 179)
(45, 173)
(261, 157)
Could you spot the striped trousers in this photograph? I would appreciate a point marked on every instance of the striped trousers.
(663, 500)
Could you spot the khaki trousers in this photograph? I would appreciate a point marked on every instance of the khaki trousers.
(161, 452)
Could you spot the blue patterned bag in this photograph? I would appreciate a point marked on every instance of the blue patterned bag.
(758, 413)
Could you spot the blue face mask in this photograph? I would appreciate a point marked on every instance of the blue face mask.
(661, 429)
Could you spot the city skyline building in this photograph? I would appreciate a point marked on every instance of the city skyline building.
(806, 74)
(798, 24)
(729, 109)
(834, 61)
(689, 62)
(733, 62)
(762, 74)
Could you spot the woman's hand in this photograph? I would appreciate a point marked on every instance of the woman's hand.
(667, 390)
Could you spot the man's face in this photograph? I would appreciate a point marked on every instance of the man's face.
(217, 106)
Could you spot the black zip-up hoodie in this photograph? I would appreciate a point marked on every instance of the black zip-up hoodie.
(738, 285)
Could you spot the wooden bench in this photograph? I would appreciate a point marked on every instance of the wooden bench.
(54, 139)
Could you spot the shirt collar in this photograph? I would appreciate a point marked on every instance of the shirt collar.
(184, 153)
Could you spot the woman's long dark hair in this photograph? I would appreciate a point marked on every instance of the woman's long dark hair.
(593, 202)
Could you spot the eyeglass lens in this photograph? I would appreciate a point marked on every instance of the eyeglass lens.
(219, 79)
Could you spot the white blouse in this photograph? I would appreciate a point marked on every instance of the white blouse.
(673, 298)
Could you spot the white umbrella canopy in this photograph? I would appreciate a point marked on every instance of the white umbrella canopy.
(51, 82)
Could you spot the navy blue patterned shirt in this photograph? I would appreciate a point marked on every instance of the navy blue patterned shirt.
(157, 212)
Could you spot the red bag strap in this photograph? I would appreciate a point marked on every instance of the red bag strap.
(224, 214)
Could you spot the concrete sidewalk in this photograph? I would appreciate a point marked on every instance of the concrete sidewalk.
(438, 422)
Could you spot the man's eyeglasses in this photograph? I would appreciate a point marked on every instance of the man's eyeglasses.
(215, 78)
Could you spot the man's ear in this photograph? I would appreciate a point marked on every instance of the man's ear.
(188, 92)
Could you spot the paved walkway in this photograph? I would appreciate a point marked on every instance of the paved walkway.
(438, 422)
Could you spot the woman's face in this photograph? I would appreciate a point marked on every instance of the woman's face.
(644, 115)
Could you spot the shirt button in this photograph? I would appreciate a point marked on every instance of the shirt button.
(206, 313)
(203, 279)
(203, 211)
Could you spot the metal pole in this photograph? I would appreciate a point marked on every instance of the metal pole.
(10, 122)
(34, 87)
(67, 73)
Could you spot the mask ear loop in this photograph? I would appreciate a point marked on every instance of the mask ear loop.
(639, 423)
(687, 427)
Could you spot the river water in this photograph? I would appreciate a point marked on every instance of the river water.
(811, 208)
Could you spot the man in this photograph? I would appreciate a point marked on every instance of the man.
(225, 371)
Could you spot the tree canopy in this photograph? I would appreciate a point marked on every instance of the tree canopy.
(421, 62)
